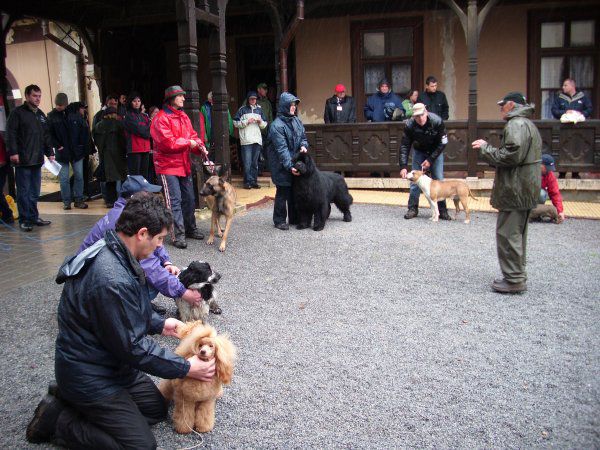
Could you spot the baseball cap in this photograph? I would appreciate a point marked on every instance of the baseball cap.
(262, 86)
(419, 109)
(516, 97)
(251, 94)
(340, 88)
(137, 183)
(548, 161)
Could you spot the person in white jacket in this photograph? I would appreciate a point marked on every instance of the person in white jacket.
(250, 119)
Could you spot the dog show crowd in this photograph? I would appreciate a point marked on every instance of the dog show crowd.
(103, 397)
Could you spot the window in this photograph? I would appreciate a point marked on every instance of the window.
(386, 49)
(563, 45)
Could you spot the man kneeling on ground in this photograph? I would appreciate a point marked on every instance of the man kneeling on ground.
(102, 398)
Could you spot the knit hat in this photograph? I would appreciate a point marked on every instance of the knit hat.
(61, 99)
(340, 88)
(173, 91)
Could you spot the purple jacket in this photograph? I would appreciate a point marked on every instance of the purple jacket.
(158, 277)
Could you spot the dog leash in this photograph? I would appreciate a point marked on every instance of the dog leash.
(210, 166)
(193, 431)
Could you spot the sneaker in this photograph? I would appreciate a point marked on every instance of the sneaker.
(255, 186)
(67, 206)
(444, 215)
(195, 234)
(411, 213)
(247, 186)
(505, 287)
(179, 243)
(43, 425)
(25, 226)
(282, 226)
(81, 205)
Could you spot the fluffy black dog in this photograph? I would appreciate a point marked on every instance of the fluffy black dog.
(200, 276)
(314, 191)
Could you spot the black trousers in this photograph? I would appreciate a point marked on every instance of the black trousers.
(138, 164)
(284, 206)
(121, 421)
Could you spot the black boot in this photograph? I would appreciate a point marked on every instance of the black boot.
(43, 425)
(411, 213)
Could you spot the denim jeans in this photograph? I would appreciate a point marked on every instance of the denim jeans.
(543, 196)
(437, 173)
(179, 197)
(65, 186)
(29, 182)
(250, 154)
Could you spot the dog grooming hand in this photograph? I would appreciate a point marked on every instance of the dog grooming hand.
(193, 297)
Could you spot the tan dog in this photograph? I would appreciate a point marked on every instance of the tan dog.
(540, 212)
(220, 198)
(195, 400)
(436, 191)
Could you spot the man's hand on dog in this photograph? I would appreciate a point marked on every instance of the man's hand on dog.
(303, 149)
(426, 165)
(173, 270)
(170, 327)
(295, 172)
(192, 296)
(201, 370)
(403, 173)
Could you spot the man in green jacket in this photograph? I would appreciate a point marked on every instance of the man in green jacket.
(516, 188)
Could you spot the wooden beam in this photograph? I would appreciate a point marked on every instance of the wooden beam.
(206, 17)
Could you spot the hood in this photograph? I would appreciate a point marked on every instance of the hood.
(521, 111)
(285, 101)
(73, 265)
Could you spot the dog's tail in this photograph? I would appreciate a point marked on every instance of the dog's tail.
(471, 194)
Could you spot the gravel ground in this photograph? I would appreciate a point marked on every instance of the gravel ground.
(381, 333)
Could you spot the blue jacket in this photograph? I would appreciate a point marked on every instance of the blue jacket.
(104, 318)
(579, 102)
(286, 136)
(380, 107)
(158, 277)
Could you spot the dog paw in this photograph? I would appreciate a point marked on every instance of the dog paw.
(210, 241)
(222, 246)
(467, 221)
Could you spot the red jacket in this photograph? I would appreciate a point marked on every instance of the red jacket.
(550, 185)
(137, 130)
(171, 132)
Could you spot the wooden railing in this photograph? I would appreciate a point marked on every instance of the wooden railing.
(368, 147)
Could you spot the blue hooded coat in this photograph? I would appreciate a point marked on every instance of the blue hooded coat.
(286, 136)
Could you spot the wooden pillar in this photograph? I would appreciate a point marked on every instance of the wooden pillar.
(218, 70)
(472, 44)
(187, 44)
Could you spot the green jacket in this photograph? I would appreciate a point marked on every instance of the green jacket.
(408, 106)
(206, 124)
(267, 110)
(518, 181)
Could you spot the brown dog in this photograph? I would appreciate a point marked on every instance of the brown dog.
(540, 212)
(436, 190)
(220, 198)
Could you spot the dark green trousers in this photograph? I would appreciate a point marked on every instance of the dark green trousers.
(511, 243)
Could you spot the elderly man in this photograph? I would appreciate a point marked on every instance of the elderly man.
(426, 133)
(340, 108)
(516, 188)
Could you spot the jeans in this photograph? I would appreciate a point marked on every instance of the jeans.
(543, 196)
(437, 173)
(121, 421)
(284, 196)
(250, 154)
(138, 164)
(29, 182)
(65, 186)
(5, 211)
(179, 197)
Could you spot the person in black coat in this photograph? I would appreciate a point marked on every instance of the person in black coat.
(70, 137)
(340, 108)
(102, 398)
(435, 101)
(27, 141)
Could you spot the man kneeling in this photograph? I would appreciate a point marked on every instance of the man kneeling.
(102, 399)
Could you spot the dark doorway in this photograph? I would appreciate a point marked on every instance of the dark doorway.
(256, 63)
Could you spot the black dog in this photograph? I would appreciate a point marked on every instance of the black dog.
(314, 191)
(200, 276)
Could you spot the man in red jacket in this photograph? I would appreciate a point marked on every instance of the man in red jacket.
(550, 186)
(174, 138)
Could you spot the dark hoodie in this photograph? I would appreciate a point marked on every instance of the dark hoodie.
(104, 317)
(286, 136)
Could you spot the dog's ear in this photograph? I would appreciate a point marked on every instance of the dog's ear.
(221, 182)
(222, 171)
(225, 355)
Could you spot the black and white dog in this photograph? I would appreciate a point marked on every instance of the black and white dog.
(199, 276)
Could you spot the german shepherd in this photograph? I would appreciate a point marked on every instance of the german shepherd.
(220, 198)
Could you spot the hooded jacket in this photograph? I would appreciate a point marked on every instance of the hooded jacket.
(157, 276)
(104, 317)
(517, 183)
(347, 114)
(171, 132)
(27, 136)
(137, 131)
(380, 107)
(286, 136)
(109, 136)
(579, 102)
(69, 130)
(250, 133)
